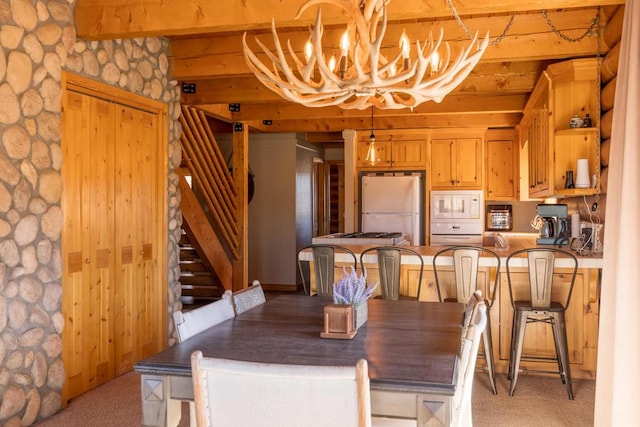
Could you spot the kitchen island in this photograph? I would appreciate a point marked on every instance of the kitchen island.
(581, 315)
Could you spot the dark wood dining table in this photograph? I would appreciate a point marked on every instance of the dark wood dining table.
(410, 346)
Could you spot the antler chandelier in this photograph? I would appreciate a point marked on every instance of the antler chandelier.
(362, 77)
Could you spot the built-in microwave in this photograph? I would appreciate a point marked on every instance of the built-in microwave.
(457, 217)
(456, 204)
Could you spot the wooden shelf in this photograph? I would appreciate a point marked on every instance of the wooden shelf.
(572, 192)
(576, 131)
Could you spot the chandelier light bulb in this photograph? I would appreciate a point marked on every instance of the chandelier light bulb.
(308, 50)
(344, 49)
(434, 62)
(344, 43)
(332, 63)
(405, 47)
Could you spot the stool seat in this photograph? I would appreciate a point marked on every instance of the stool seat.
(541, 309)
(526, 306)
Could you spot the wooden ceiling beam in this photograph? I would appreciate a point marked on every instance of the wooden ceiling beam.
(453, 104)
(503, 77)
(112, 19)
(529, 38)
(477, 119)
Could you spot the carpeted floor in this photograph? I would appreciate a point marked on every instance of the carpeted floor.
(538, 401)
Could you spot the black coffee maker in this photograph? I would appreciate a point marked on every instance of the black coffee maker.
(555, 224)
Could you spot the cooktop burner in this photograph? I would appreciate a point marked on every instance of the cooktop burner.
(369, 235)
(364, 238)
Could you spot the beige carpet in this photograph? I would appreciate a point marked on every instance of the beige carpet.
(538, 401)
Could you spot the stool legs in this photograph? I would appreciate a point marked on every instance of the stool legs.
(488, 355)
(517, 342)
(560, 340)
(560, 336)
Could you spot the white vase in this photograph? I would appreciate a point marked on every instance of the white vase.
(360, 314)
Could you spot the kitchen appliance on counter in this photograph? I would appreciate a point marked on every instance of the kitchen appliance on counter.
(553, 224)
(499, 218)
(392, 202)
(457, 217)
(363, 238)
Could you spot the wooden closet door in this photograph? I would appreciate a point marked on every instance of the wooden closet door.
(87, 241)
(114, 239)
(137, 303)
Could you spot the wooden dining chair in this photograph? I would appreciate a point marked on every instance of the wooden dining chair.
(465, 282)
(389, 266)
(197, 320)
(473, 323)
(248, 298)
(231, 393)
(324, 265)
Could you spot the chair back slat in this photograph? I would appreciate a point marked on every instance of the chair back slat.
(389, 260)
(466, 260)
(324, 259)
(323, 256)
(465, 263)
(389, 271)
(541, 278)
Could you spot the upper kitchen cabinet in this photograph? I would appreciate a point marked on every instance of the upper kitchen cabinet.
(456, 160)
(394, 150)
(501, 165)
(564, 90)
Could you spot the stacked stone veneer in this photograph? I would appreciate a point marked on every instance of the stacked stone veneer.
(38, 41)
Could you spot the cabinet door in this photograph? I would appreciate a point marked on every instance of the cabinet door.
(408, 154)
(468, 162)
(442, 163)
(539, 151)
(383, 154)
(501, 170)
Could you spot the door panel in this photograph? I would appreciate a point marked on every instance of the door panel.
(114, 236)
(87, 245)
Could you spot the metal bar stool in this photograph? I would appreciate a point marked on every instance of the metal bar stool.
(465, 268)
(389, 263)
(537, 306)
(324, 263)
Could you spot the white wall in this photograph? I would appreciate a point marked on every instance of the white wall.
(272, 212)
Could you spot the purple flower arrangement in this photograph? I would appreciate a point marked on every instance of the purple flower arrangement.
(352, 289)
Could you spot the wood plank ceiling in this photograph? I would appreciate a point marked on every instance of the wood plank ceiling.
(206, 49)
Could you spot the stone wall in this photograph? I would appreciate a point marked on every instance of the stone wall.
(38, 41)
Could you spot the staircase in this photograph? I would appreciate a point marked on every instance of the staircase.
(199, 285)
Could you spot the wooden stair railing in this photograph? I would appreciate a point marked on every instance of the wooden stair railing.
(216, 235)
(210, 173)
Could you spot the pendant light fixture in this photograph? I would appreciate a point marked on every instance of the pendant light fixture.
(371, 151)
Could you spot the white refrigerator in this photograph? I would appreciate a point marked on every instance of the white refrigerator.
(392, 204)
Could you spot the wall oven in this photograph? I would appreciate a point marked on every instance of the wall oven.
(457, 217)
